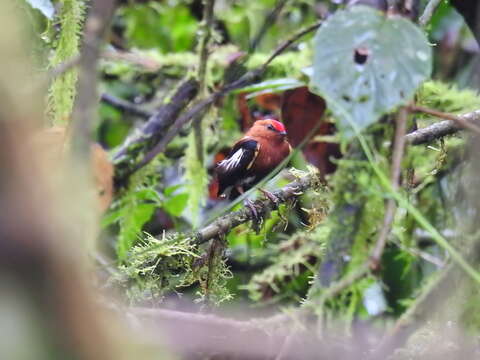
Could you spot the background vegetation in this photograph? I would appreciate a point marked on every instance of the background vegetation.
(372, 249)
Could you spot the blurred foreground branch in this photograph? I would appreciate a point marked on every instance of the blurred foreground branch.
(84, 110)
(212, 335)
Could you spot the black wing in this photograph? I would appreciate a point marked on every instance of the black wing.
(235, 167)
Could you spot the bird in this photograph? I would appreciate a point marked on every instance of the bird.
(263, 147)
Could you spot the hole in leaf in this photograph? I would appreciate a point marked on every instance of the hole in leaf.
(360, 55)
(346, 98)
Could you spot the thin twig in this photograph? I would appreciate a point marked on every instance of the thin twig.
(428, 12)
(397, 156)
(440, 263)
(270, 20)
(464, 123)
(292, 40)
(125, 106)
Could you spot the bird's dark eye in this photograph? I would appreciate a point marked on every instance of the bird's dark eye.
(270, 127)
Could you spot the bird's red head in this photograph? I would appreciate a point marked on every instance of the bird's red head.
(268, 128)
(278, 126)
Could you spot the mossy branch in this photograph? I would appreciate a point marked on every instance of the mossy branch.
(224, 224)
(85, 107)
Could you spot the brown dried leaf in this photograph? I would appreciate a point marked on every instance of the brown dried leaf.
(49, 144)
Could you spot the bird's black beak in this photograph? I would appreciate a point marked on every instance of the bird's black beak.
(284, 133)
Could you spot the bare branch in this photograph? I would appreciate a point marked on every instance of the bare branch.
(463, 123)
(292, 40)
(440, 129)
(125, 106)
(270, 20)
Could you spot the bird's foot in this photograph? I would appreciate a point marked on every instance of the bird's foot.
(251, 206)
(256, 217)
(270, 197)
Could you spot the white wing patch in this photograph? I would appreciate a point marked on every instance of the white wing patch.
(233, 161)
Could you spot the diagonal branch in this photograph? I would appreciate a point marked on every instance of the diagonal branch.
(153, 131)
(441, 129)
(125, 106)
(428, 12)
(227, 222)
(463, 123)
(270, 20)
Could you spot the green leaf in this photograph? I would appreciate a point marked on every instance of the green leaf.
(366, 64)
(132, 226)
(111, 217)
(45, 7)
(171, 189)
(176, 204)
(147, 194)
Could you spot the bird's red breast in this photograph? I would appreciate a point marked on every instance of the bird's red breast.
(270, 155)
